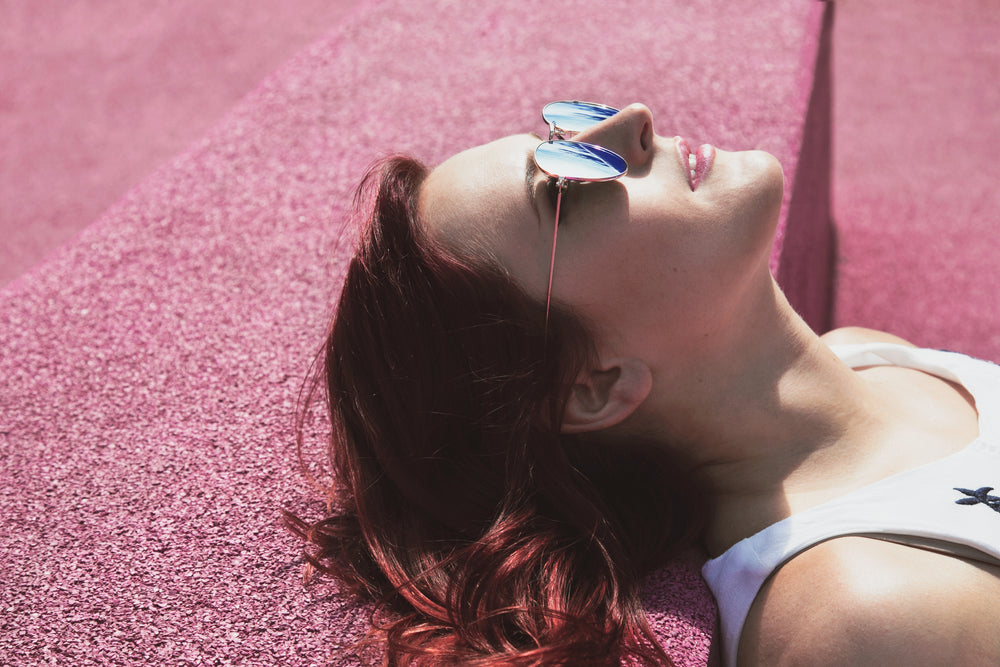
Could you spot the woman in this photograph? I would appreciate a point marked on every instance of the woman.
(507, 470)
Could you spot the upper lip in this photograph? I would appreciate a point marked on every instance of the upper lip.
(684, 155)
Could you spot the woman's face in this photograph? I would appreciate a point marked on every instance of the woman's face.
(645, 259)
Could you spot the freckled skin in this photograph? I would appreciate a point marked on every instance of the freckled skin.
(634, 256)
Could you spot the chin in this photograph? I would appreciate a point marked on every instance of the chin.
(759, 187)
(766, 167)
(766, 186)
(749, 173)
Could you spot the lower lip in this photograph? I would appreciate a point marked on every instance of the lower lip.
(704, 157)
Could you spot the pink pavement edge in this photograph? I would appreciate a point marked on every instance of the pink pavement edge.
(915, 198)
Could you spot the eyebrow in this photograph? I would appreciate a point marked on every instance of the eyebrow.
(530, 175)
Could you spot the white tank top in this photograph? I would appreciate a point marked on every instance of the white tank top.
(947, 504)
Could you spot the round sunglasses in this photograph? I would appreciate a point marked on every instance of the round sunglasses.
(574, 161)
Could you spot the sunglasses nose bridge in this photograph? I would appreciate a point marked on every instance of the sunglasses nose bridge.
(557, 133)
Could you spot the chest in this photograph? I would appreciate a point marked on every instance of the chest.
(933, 417)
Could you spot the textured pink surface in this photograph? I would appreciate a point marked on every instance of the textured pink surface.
(150, 367)
(917, 140)
(95, 93)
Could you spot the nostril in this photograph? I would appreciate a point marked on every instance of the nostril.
(646, 136)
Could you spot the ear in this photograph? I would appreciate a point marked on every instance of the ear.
(603, 397)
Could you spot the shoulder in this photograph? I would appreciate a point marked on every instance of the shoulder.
(850, 335)
(855, 600)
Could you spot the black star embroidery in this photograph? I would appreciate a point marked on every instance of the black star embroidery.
(980, 496)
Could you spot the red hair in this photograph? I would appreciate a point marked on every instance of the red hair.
(487, 536)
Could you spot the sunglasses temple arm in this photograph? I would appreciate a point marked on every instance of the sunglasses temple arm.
(560, 184)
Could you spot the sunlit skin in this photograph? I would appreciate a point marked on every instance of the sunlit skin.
(699, 349)
(633, 252)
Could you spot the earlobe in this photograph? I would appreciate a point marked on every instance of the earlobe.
(603, 397)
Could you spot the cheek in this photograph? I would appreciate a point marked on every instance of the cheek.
(660, 256)
(618, 278)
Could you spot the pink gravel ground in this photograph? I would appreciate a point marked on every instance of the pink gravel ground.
(95, 94)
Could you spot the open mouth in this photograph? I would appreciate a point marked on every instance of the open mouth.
(697, 163)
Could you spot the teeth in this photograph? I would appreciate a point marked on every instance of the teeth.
(692, 163)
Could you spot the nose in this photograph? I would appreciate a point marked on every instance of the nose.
(628, 133)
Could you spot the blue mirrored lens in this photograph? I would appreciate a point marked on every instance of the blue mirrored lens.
(576, 116)
(576, 161)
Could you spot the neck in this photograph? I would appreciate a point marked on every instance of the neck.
(772, 416)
